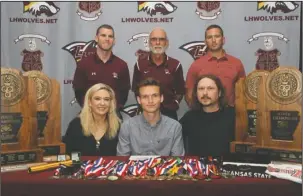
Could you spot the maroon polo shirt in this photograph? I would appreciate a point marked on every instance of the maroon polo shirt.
(115, 73)
(170, 75)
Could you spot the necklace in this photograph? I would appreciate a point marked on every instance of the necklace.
(97, 139)
(98, 135)
(97, 144)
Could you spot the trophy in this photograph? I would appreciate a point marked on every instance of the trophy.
(48, 113)
(246, 94)
(279, 112)
(18, 127)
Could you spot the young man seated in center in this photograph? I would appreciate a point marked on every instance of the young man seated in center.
(150, 133)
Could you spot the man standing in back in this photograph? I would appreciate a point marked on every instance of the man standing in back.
(103, 67)
(227, 68)
(167, 70)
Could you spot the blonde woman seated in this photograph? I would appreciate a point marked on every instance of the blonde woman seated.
(94, 131)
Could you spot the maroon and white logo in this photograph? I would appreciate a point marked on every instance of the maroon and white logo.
(115, 75)
(153, 7)
(208, 10)
(89, 10)
(141, 53)
(167, 71)
(32, 55)
(80, 49)
(267, 57)
(195, 48)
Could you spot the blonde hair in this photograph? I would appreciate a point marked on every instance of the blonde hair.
(86, 116)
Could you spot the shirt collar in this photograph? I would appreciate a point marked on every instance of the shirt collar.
(223, 58)
(147, 123)
(151, 62)
(98, 60)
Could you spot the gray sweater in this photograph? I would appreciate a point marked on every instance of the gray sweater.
(138, 137)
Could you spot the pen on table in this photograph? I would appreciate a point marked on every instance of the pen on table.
(19, 167)
(49, 166)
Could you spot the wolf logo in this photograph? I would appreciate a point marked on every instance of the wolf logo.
(80, 49)
(153, 7)
(43, 7)
(274, 6)
(195, 48)
(141, 54)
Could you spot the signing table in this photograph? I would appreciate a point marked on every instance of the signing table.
(39, 184)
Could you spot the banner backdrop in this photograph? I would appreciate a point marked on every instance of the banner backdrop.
(53, 36)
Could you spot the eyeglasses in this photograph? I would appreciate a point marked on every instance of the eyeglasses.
(160, 39)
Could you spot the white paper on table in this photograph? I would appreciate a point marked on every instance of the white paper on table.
(142, 157)
(285, 170)
(249, 164)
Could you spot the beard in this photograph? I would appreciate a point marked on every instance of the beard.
(159, 50)
(208, 102)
